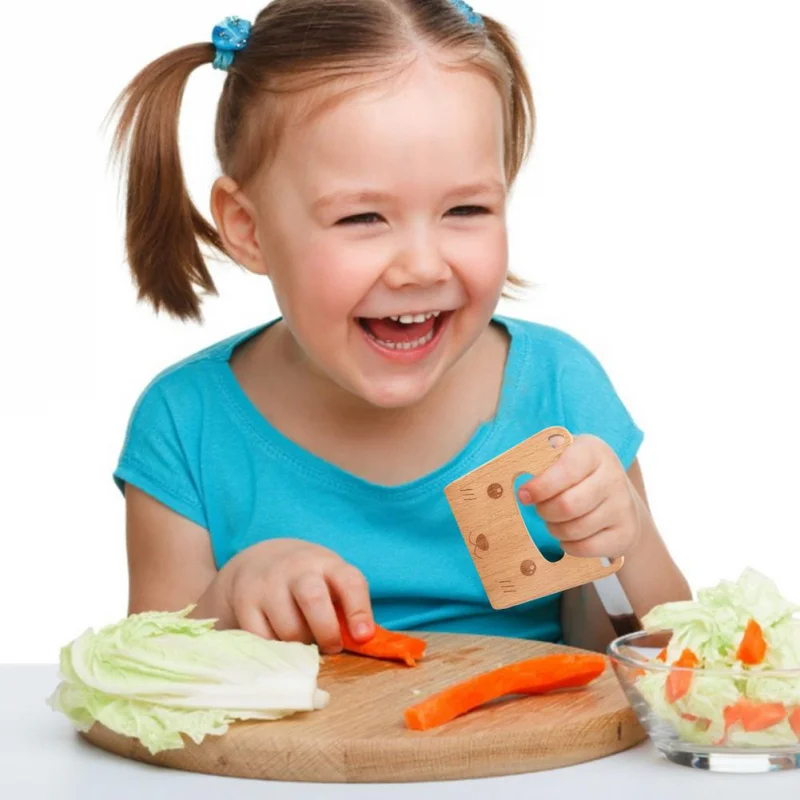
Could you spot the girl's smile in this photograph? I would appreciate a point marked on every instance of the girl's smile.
(405, 338)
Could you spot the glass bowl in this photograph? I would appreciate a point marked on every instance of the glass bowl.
(724, 720)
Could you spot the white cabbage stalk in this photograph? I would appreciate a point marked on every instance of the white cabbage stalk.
(156, 675)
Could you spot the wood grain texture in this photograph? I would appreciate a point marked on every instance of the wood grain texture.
(361, 735)
(510, 566)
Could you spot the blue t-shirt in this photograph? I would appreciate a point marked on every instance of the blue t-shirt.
(196, 443)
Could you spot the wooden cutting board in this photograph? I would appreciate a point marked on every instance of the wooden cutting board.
(361, 735)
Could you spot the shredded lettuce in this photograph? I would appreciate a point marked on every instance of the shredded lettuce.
(157, 675)
(713, 627)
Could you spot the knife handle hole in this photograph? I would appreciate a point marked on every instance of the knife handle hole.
(545, 542)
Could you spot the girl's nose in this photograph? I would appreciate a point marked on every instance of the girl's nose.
(421, 263)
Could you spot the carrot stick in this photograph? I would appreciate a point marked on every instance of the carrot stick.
(383, 644)
(532, 676)
(753, 646)
(678, 682)
(662, 656)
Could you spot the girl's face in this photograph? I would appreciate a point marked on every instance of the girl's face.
(390, 204)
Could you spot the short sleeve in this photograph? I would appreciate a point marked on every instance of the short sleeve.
(154, 455)
(592, 405)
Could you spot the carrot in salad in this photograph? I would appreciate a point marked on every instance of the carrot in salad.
(531, 676)
(678, 682)
(794, 720)
(383, 644)
(760, 716)
(754, 716)
(753, 646)
(662, 656)
(732, 714)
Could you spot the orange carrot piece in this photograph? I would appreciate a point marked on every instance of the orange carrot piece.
(662, 656)
(532, 676)
(753, 646)
(754, 716)
(794, 720)
(759, 716)
(383, 644)
(732, 714)
(678, 682)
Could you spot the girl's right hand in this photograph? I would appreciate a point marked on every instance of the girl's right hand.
(286, 588)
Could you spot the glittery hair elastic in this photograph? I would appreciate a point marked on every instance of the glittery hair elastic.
(228, 37)
(467, 12)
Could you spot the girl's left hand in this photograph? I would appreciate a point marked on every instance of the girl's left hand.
(587, 500)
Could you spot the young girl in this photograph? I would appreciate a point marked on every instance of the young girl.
(367, 149)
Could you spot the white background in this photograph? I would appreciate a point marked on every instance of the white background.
(658, 215)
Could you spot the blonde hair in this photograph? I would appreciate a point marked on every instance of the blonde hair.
(294, 46)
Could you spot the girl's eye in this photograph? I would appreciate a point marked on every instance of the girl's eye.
(468, 211)
(370, 216)
(360, 219)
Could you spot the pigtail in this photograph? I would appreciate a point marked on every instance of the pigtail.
(163, 225)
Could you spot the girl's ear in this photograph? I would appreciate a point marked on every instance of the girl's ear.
(235, 218)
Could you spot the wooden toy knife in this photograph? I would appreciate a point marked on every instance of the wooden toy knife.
(510, 566)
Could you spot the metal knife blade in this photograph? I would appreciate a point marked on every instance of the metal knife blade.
(616, 603)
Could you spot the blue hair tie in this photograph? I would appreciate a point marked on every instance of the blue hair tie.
(228, 37)
(467, 12)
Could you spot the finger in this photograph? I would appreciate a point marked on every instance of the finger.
(574, 530)
(285, 617)
(577, 500)
(604, 543)
(351, 590)
(575, 464)
(313, 597)
(250, 617)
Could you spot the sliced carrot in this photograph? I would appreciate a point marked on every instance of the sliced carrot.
(732, 714)
(794, 720)
(679, 681)
(759, 716)
(662, 656)
(753, 646)
(383, 644)
(754, 716)
(532, 676)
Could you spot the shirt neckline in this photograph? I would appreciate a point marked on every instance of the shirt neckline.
(315, 467)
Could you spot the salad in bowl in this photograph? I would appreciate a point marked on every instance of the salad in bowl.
(716, 681)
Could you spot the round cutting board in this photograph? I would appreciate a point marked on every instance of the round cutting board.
(361, 735)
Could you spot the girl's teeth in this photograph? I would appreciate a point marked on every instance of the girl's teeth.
(407, 319)
(406, 345)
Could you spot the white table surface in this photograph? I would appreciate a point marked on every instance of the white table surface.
(41, 756)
